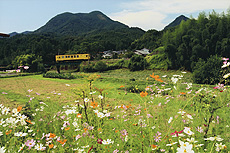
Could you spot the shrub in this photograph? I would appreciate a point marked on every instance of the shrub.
(158, 61)
(100, 66)
(208, 72)
(60, 76)
(86, 67)
(137, 63)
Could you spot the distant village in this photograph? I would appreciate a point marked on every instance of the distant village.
(110, 54)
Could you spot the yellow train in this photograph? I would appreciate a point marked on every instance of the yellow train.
(72, 57)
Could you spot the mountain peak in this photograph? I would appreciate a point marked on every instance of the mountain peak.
(177, 21)
(79, 23)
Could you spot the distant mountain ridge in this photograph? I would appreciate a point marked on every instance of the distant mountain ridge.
(76, 24)
(79, 23)
(176, 22)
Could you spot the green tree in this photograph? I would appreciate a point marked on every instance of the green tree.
(31, 60)
(137, 63)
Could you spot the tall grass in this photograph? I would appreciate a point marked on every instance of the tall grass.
(166, 116)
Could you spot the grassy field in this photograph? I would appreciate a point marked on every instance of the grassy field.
(114, 111)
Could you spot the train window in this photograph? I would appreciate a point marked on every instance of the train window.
(86, 56)
(71, 56)
(65, 56)
(74, 56)
(68, 56)
(77, 56)
(62, 56)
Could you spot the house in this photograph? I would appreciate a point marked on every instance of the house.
(142, 52)
(110, 54)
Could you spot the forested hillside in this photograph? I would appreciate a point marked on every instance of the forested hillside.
(49, 45)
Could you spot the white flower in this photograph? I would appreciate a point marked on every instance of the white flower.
(78, 136)
(70, 111)
(126, 138)
(21, 117)
(86, 100)
(30, 131)
(108, 141)
(192, 140)
(5, 111)
(2, 149)
(189, 116)
(100, 96)
(171, 144)
(226, 76)
(107, 114)
(174, 80)
(20, 134)
(96, 111)
(181, 112)
(2, 121)
(218, 138)
(219, 147)
(183, 72)
(67, 85)
(188, 131)
(21, 148)
(185, 147)
(40, 147)
(101, 115)
(170, 119)
(85, 146)
(1, 133)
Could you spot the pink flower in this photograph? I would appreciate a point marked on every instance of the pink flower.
(157, 137)
(149, 115)
(30, 143)
(124, 132)
(225, 59)
(199, 129)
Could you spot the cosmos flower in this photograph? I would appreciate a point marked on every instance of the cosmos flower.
(108, 141)
(185, 147)
(143, 94)
(218, 138)
(188, 131)
(170, 119)
(20, 134)
(30, 143)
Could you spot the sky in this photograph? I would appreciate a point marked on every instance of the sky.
(29, 15)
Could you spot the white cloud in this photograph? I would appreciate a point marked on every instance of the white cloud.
(149, 14)
(144, 19)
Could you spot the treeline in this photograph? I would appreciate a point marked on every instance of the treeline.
(196, 40)
(48, 45)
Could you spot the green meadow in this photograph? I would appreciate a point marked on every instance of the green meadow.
(114, 111)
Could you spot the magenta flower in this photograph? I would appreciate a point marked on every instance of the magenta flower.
(30, 143)
(176, 132)
(99, 141)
